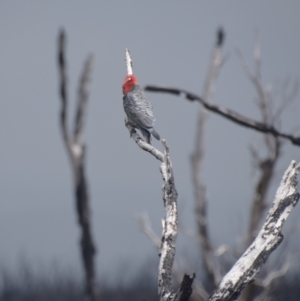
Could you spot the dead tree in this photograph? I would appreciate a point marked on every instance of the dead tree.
(76, 151)
(170, 223)
(272, 144)
(265, 166)
(246, 268)
(269, 125)
(199, 292)
(211, 270)
(267, 240)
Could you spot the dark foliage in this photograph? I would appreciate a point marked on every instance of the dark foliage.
(27, 285)
(54, 284)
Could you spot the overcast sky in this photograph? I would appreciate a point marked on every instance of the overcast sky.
(170, 44)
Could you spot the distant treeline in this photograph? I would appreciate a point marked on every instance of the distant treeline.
(27, 285)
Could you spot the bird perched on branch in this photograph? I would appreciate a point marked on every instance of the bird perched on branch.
(138, 108)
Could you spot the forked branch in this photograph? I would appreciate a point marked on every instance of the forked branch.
(76, 152)
(199, 292)
(267, 240)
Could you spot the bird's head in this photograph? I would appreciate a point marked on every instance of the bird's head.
(130, 81)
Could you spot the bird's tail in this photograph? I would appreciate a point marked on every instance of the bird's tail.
(146, 135)
(155, 134)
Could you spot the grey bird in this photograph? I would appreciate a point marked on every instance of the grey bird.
(138, 108)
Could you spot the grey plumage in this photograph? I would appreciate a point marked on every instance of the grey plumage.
(139, 111)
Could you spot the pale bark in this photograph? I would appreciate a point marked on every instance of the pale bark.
(273, 146)
(170, 223)
(267, 240)
(199, 292)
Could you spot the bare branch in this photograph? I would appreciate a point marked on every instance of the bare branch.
(199, 292)
(63, 91)
(255, 156)
(83, 92)
(287, 100)
(267, 282)
(273, 275)
(170, 224)
(185, 289)
(145, 225)
(227, 113)
(257, 55)
(259, 204)
(170, 227)
(128, 62)
(272, 143)
(142, 143)
(210, 268)
(223, 249)
(263, 100)
(266, 242)
(169, 235)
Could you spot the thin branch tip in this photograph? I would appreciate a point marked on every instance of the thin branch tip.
(91, 58)
(164, 143)
(128, 61)
(62, 33)
(293, 165)
(220, 36)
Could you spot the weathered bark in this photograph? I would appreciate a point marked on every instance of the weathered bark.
(170, 223)
(272, 143)
(268, 239)
(266, 166)
(199, 292)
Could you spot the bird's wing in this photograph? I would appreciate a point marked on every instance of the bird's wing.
(139, 109)
(140, 116)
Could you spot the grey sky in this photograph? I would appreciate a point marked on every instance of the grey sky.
(170, 43)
